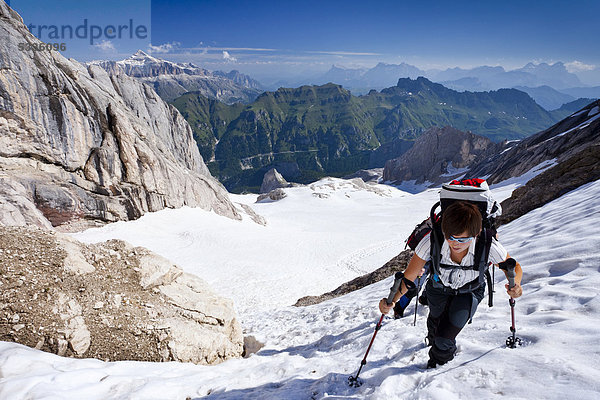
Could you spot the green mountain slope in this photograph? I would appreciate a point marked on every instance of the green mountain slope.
(502, 114)
(314, 131)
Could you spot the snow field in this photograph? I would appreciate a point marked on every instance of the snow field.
(310, 351)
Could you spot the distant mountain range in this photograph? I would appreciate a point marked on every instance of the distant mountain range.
(361, 79)
(536, 78)
(548, 97)
(550, 85)
(314, 131)
(532, 75)
(171, 80)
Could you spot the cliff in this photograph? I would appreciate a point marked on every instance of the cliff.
(78, 144)
(439, 155)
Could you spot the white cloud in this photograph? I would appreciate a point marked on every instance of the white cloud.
(227, 57)
(164, 48)
(578, 66)
(106, 46)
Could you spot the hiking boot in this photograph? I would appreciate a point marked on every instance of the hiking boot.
(398, 311)
(431, 364)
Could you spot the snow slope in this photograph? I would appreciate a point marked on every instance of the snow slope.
(319, 242)
(346, 232)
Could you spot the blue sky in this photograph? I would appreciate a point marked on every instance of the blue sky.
(308, 36)
(426, 32)
(71, 18)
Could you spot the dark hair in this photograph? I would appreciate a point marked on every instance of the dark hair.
(461, 217)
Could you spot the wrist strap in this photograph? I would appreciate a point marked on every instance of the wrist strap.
(408, 283)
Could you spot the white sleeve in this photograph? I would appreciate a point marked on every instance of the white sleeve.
(497, 252)
(422, 249)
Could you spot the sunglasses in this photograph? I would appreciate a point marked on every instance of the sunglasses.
(461, 240)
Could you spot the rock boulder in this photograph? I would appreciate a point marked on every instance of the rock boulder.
(273, 180)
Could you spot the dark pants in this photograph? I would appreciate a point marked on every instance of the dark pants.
(449, 312)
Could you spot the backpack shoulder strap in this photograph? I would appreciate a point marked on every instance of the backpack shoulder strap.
(482, 254)
(436, 240)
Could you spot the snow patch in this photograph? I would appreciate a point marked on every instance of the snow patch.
(452, 171)
(503, 190)
(578, 127)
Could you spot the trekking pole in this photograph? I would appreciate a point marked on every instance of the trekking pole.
(417, 300)
(353, 380)
(508, 266)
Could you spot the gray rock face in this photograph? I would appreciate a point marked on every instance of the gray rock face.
(439, 155)
(77, 143)
(171, 80)
(389, 151)
(568, 175)
(109, 301)
(273, 180)
(560, 142)
(573, 145)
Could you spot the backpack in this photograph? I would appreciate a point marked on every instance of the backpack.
(475, 191)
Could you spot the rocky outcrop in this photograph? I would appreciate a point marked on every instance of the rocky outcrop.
(273, 180)
(273, 195)
(398, 263)
(241, 79)
(579, 169)
(559, 143)
(440, 154)
(110, 301)
(171, 80)
(143, 65)
(79, 144)
(571, 148)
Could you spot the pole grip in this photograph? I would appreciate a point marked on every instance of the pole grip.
(395, 287)
(508, 266)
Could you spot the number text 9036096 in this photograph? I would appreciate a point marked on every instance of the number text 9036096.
(41, 46)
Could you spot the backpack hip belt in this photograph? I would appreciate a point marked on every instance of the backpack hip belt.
(468, 288)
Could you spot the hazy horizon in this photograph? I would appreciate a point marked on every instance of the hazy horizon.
(272, 41)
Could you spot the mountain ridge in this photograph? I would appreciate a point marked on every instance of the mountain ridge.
(171, 79)
(327, 130)
(480, 78)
